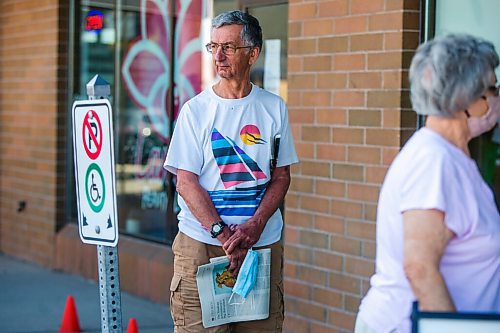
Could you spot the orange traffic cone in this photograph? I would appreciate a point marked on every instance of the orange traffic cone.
(70, 322)
(132, 326)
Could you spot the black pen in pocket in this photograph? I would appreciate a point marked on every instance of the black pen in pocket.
(275, 149)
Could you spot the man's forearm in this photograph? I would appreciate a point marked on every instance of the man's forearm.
(196, 198)
(274, 196)
(200, 205)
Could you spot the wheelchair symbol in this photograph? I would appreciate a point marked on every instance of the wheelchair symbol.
(95, 189)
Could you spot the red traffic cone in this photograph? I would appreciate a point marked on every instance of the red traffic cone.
(132, 326)
(70, 322)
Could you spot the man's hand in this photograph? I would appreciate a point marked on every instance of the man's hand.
(236, 259)
(244, 236)
(225, 235)
(236, 256)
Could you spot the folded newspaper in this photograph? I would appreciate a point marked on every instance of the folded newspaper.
(215, 284)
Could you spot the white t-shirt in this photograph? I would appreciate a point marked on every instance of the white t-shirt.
(431, 173)
(228, 144)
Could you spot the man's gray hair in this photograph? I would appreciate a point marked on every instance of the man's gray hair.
(450, 72)
(251, 34)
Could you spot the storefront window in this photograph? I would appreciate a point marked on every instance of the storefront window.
(154, 61)
(96, 47)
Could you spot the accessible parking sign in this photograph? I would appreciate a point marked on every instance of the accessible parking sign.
(95, 172)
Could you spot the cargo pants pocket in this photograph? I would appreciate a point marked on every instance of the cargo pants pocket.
(176, 304)
(280, 311)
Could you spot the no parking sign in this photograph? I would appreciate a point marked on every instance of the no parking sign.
(95, 172)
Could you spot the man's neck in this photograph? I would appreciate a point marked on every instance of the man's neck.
(231, 89)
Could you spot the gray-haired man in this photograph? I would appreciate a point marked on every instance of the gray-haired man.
(228, 193)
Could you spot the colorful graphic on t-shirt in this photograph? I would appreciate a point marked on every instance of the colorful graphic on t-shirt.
(250, 135)
(235, 165)
(238, 202)
(236, 168)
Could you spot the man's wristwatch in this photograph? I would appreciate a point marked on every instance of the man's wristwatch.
(217, 228)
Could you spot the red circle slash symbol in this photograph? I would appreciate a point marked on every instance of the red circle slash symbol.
(92, 134)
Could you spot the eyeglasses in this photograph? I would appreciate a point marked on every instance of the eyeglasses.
(493, 90)
(227, 49)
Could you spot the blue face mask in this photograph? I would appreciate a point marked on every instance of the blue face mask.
(247, 276)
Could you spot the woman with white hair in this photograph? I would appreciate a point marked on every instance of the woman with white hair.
(438, 227)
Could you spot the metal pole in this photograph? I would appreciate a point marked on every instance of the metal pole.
(107, 256)
(109, 289)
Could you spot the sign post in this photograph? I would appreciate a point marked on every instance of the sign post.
(96, 193)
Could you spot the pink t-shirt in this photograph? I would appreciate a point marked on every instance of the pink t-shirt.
(431, 173)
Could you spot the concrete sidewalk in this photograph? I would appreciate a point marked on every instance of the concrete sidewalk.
(33, 298)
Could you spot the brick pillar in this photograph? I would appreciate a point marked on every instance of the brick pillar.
(350, 114)
(32, 120)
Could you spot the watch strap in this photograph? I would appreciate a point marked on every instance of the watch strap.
(217, 228)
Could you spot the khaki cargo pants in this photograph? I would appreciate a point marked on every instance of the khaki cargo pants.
(185, 303)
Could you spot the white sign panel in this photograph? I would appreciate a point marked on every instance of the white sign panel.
(456, 325)
(95, 172)
(272, 65)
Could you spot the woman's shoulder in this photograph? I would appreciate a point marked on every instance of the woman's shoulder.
(427, 143)
(426, 151)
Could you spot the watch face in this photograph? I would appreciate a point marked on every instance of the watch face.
(216, 228)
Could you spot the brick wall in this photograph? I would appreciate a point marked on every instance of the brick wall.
(350, 114)
(32, 118)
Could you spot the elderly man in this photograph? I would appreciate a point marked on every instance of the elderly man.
(229, 192)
